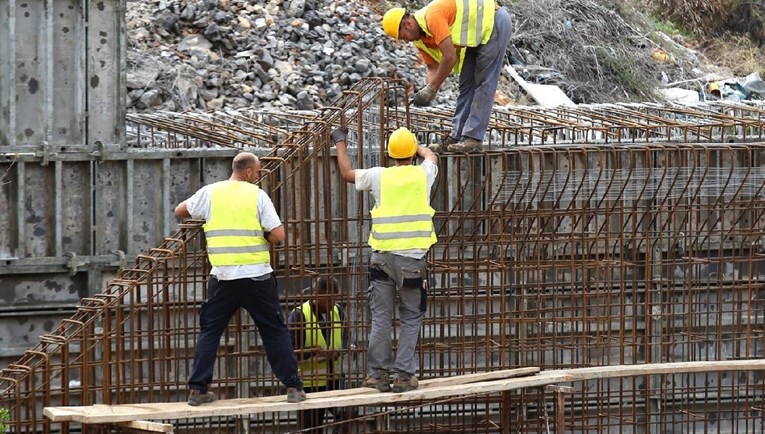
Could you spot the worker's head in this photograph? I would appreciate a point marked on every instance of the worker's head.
(326, 291)
(402, 144)
(392, 20)
(398, 24)
(246, 167)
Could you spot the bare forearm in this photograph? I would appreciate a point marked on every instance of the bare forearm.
(276, 235)
(344, 162)
(448, 60)
(182, 211)
(427, 154)
(438, 75)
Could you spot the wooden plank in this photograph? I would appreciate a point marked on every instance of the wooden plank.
(432, 382)
(430, 389)
(100, 413)
(234, 407)
(583, 374)
(145, 425)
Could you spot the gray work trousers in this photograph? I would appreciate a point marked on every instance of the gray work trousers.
(478, 80)
(391, 274)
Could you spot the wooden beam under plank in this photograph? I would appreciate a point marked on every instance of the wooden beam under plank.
(145, 425)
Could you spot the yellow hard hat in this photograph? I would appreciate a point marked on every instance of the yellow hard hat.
(392, 20)
(714, 88)
(402, 144)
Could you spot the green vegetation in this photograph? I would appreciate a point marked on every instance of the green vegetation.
(729, 32)
(737, 52)
(5, 415)
(713, 18)
(671, 28)
(694, 14)
(620, 67)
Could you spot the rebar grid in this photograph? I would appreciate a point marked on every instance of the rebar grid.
(568, 252)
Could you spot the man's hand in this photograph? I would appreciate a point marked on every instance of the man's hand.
(331, 355)
(322, 354)
(424, 96)
(339, 134)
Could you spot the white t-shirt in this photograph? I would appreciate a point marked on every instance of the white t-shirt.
(198, 206)
(369, 180)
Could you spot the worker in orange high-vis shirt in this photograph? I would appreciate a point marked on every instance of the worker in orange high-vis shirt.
(468, 37)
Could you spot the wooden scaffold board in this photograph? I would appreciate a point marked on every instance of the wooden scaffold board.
(471, 384)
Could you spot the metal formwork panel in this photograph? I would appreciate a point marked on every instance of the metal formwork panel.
(75, 213)
(105, 71)
(63, 83)
(71, 219)
(94, 208)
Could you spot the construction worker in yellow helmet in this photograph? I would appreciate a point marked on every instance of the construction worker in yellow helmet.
(402, 233)
(466, 37)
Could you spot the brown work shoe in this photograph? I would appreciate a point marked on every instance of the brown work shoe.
(295, 395)
(404, 383)
(466, 145)
(198, 398)
(381, 383)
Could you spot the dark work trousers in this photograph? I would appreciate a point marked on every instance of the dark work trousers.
(261, 300)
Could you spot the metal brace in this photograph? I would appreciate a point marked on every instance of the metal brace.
(101, 152)
(45, 153)
(120, 258)
(72, 263)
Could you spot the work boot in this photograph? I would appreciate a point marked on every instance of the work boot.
(381, 383)
(404, 383)
(440, 147)
(295, 394)
(198, 398)
(466, 145)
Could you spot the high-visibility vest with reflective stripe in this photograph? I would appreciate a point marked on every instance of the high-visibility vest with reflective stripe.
(316, 373)
(472, 27)
(403, 220)
(234, 234)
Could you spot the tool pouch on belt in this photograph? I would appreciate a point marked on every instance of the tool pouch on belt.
(405, 272)
(413, 278)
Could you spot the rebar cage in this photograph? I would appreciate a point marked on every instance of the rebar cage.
(580, 237)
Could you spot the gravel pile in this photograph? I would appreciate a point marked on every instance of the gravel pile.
(292, 54)
(194, 55)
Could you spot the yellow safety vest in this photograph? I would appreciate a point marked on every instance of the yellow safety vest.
(403, 220)
(234, 234)
(471, 28)
(315, 373)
